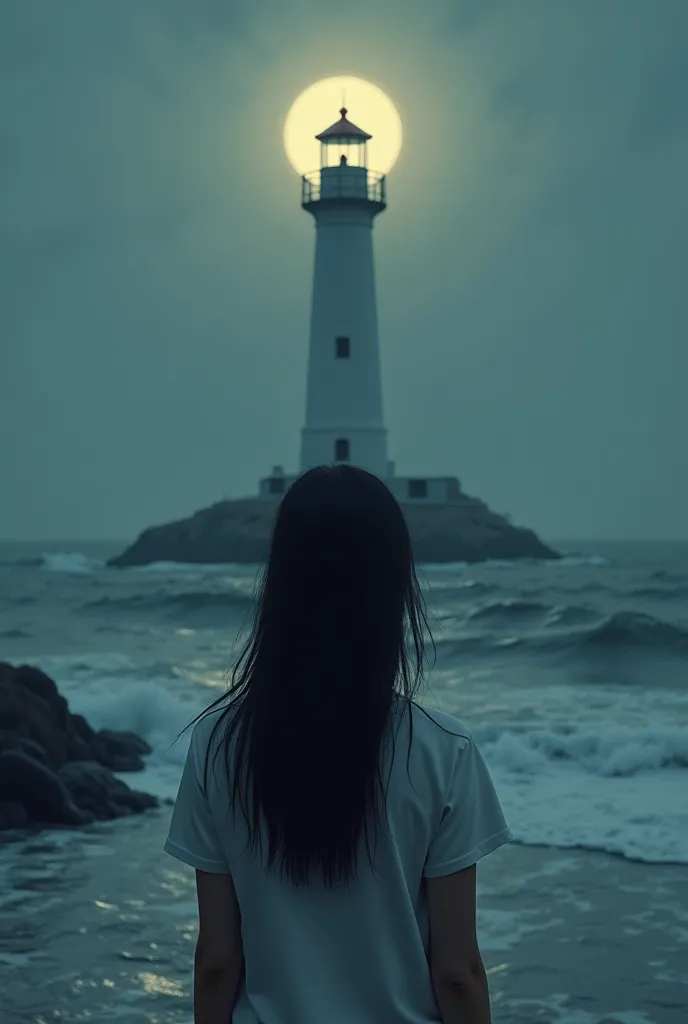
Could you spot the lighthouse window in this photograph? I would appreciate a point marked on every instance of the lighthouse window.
(342, 348)
(341, 450)
(418, 488)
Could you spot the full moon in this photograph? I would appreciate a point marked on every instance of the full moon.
(318, 107)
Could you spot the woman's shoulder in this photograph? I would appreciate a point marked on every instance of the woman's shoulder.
(210, 724)
(434, 722)
(435, 740)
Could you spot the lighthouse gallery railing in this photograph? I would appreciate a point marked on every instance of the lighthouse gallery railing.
(342, 185)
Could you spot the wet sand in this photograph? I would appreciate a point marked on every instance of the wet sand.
(100, 926)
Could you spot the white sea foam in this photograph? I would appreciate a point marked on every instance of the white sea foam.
(111, 693)
(437, 571)
(643, 819)
(609, 751)
(73, 562)
(195, 569)
(573, 561)
(602, 768)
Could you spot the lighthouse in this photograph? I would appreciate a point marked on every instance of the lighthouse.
(344, 418)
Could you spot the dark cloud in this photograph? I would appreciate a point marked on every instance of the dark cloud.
(155, 265)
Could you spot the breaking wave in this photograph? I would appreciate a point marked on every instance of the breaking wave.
(511, 611)
(613, 751)
(633, 630)
(570, 629)
(194, 601)
(72, 562)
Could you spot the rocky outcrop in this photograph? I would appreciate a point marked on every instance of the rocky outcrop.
(95, 790)
(465, 530)
(54, 768)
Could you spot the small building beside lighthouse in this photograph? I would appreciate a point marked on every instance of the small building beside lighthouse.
(344, 418)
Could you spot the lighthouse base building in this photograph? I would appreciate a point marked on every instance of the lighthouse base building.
(416, 490)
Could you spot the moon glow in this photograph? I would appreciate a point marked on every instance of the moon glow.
(318, 107)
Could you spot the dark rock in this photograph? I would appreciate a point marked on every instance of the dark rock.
(78, 749)
(8, 741)
(82, 729)
(96, 789)
(464, 530)
(130, 739)
(80, 739)
(119, 751)
(25, 712)
(54, 768)
(42, 794)
(43, 686)
(13, 815)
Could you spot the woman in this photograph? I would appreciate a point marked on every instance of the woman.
(333, 823)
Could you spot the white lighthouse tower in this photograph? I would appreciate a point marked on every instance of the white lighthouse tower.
(344, 420)
(344, 417)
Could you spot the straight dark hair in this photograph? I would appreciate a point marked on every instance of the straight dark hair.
(337, 638)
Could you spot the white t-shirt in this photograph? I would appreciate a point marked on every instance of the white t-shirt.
(356, 955)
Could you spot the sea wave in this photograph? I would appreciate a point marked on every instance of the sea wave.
(634, 629)
(196, 568)
(195, 601)
(156, 701)
(21, 563)
(610, 751)
(466, 590)
(566, 777)
(562, 616)
(509, 610)
(72, 562)
(576, 561)
(547, 615)
(667, 576)
(668, 593)
(567, 630)
(22, 601)
(621, 791)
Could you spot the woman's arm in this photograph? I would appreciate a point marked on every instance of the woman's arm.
(215, 992)
(219, 960)
(456, 967)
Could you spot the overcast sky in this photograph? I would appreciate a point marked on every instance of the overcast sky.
(532, 264)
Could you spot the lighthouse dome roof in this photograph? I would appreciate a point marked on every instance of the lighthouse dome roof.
(343, 129)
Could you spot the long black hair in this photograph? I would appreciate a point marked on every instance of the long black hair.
(337, 637)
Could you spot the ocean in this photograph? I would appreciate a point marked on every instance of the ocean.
(572, 676)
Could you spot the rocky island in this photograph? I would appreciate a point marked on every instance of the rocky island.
(461, 530)
(55, 770)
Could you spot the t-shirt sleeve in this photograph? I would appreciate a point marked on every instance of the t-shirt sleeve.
(472, 824)
(193, 837)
